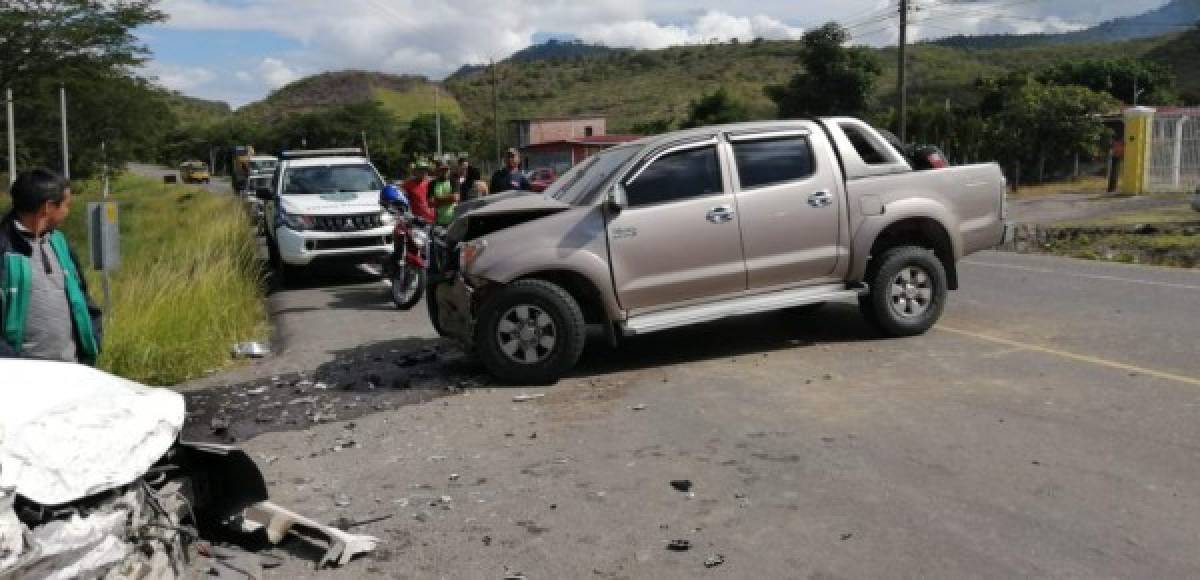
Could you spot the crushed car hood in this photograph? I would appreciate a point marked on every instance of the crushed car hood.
(345, 203)
(501, 211)
(68, 431)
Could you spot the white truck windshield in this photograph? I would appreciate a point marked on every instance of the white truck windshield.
(331, 179)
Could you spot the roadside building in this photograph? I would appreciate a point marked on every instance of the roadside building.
(561, 142)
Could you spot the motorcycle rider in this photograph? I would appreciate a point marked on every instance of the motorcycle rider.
(417, 191)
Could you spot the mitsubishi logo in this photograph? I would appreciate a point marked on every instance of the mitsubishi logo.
(349, 225)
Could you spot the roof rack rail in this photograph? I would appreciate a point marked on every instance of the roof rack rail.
(303, 153)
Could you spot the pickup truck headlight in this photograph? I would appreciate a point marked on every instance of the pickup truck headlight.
(469, 252)
(298, 222)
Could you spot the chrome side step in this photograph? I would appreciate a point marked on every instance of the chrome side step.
(689, 315)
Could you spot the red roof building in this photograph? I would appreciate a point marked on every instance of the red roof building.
(561, 142)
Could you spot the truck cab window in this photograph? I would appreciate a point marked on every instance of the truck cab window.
(677, 176)
(765, 162)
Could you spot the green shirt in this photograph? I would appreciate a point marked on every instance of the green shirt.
(443, 190)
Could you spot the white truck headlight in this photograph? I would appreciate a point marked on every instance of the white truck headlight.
(298, 222)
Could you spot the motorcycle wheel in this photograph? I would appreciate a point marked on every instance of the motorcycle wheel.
(408, 284)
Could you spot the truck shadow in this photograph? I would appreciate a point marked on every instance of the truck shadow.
(747, 335)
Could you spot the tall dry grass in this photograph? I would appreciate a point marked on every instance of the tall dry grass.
(189, 285)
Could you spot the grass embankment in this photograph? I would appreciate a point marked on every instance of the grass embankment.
(189, 285)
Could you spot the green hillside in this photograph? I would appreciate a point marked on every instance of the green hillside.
(403, 96)
(194, 111)
(636, 86)
(1182, 55)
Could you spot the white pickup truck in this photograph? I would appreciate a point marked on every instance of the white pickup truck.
(323, 205)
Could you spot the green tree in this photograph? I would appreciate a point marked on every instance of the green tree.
(87, 47)
(714, 109)
(422, 135)
(835, 81)
(1119, 77)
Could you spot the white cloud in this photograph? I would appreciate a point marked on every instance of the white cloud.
(275, 73)
(712, 25)
(180, 78)
(434, 38)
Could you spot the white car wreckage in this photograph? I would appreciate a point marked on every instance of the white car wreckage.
(95, 483)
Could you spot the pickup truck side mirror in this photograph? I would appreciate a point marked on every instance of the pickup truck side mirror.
(264, 193)
(616, 197)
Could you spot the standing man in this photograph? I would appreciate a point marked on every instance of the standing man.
(443, 195)
(417, 190)
(45, 312)
(509, 177)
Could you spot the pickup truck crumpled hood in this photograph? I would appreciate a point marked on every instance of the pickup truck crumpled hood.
(345, 203)
(496, 212)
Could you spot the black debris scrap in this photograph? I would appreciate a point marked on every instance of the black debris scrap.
(683, 485)
(679, 545)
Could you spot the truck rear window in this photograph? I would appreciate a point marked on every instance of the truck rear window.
(865, 146)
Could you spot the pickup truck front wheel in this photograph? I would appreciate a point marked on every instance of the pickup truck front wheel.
(908, 291)
(530, 332)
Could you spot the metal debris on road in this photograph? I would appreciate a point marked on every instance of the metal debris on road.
(525, 398)
(681, 484)
(714, 560)
(250, 349)
(638, 407)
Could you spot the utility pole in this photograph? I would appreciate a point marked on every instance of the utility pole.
(437, 119)
(12, 138)
(496, 112)
(366, 150)
(62, 99)
(901, 75)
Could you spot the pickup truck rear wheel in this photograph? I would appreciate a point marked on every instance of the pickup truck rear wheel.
(530, 332)
(908, 291)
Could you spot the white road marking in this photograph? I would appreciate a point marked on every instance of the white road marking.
(1091, 276)
(1016, 345)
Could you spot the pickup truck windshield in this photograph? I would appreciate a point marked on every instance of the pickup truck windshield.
(579, 185)
(331, 179)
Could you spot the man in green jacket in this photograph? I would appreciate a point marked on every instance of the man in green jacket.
(45, 312)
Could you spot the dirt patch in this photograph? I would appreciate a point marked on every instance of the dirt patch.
(1167, 244)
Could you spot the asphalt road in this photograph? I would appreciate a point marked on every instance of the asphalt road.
(1047, 428)
(217, 185)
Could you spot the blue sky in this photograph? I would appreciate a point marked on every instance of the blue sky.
(239, 50)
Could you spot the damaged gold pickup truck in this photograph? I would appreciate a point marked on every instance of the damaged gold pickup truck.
(699, 225)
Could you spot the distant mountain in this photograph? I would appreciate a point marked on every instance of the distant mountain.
(1175, 16)
(550, 50)
(406, 96)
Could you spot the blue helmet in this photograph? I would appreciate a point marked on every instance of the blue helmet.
(391, 195)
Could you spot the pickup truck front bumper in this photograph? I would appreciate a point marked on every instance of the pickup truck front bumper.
(452, 309)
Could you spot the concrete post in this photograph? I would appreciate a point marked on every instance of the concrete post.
(12, 138)
(1177, 159)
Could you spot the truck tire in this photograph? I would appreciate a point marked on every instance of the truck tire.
(530, 332)
(908, 290)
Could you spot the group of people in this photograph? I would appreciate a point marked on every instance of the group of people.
(435, 190)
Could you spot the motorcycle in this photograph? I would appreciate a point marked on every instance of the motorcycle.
(405, 266)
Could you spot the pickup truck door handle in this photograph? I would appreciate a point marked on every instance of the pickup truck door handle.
(721, 214)
(820, 199)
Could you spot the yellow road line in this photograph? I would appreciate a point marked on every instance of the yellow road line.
(1073, 356)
